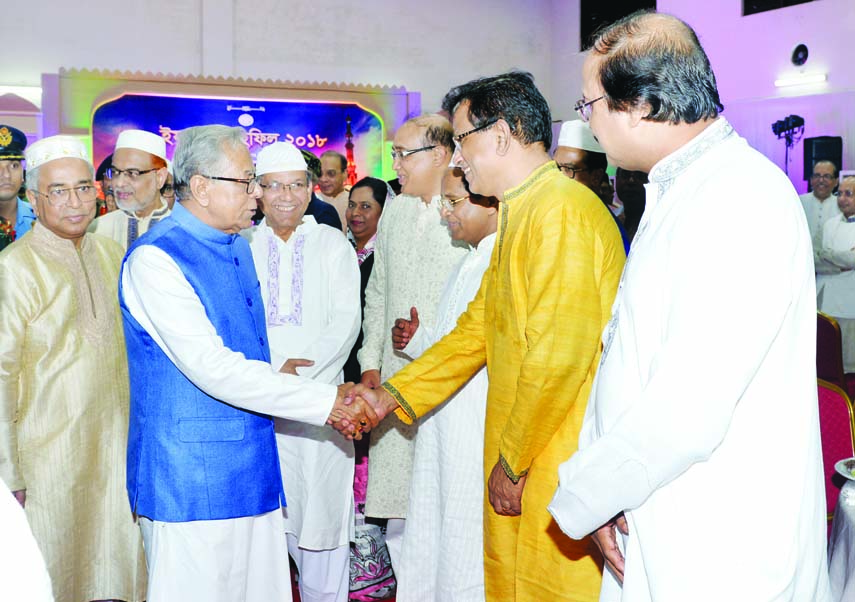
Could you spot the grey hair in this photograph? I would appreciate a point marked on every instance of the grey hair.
(200, 151)
(32, 177)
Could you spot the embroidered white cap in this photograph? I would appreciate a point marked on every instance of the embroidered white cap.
(144, 141)
(279, 156)
(577, 134)
(52, 148)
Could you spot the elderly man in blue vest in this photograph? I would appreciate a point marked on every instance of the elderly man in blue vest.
(203, 471)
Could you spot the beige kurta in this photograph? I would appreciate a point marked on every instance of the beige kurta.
(64, 411)
(413, 256)
(124, 227)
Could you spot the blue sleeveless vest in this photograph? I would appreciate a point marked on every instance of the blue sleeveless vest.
(191, 456)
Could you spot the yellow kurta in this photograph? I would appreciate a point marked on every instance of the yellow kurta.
(64, 412)
(536, 321)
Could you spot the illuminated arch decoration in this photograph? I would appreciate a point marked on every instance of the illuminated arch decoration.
(315, 126)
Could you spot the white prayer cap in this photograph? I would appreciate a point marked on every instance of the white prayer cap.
(279, 156)
(144, 141)
(577, 134)
(52, 148)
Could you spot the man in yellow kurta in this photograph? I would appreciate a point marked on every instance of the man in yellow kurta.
(536, 322)
(64, 384)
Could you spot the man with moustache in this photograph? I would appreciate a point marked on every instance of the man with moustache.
(15, 210)
(442, 555)
(535, 322)
(708, 364)
(137, 173)
(310, 287)
(412, 259)
(203, 470)
(820, 206)
(64, 384)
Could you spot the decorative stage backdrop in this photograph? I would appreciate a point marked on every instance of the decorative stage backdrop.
(316, 126)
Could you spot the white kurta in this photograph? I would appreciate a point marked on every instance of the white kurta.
(442, 557)
(817, 213)
(124, 227)
(413, 256)
(165, 304)
(836, 285)
(702, 423)
(310, 288)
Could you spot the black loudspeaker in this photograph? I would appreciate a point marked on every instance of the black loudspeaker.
(822, 148)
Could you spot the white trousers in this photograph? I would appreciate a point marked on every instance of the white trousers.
(395, 540)
(324, 574)
(217, 560)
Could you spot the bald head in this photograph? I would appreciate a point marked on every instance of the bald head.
(655, 62)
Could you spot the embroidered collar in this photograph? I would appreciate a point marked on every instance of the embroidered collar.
(533, 178)
(274, 269)
(674, 164)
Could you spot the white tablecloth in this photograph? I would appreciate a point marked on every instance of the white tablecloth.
(841, 546)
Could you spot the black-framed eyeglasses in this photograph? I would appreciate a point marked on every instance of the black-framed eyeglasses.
(459, 137)
(847, 194)
(400, 154)
(583, 107)
(570, 170)
(57, 197)
(114, 172)
(251, 183)
(449, 204)
(827, 177)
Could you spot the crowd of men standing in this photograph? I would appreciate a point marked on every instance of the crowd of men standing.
(171, 375)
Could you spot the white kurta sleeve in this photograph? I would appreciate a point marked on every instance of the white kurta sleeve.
(370, 355)
(164, 303)
(331, 349)
(684, 412)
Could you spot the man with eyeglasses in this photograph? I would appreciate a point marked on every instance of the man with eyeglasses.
(64, 384)
(203, 469)
(331, 182)
(15, 210)
(580, 157)
(535, 322)
(310, 285)
(443, 549)
(137, 174)
(820, 206)
(708, 369)
(412, 258)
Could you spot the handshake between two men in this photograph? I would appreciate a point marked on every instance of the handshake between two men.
(359, 408)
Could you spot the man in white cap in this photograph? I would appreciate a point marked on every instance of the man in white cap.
(580, 157)
(64, 384)
(310, 287)
(138, 173)
(203, 470)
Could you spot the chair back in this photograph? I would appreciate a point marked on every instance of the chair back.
(837, 429)
(829, 351)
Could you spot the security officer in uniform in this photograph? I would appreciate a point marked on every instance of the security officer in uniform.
(13, 209)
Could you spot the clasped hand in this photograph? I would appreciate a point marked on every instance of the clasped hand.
(358, 409)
